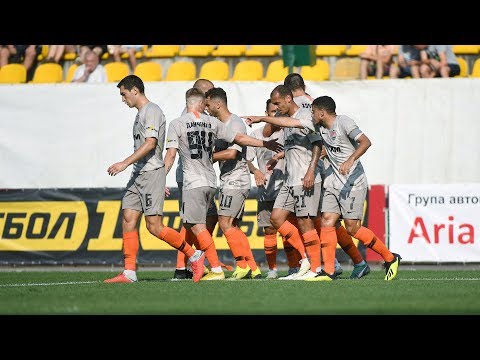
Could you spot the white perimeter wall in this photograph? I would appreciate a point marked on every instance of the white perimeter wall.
(423, 131)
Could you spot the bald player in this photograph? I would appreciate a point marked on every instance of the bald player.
(301, 191)
(296, 84)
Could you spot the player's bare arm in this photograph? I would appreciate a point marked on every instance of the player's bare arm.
(309, 178)
(282, 121)
(169, 158)
(274, 160)
(364, 143)
(245, 140)
(227, 154)
(259, 176)
(149, 144)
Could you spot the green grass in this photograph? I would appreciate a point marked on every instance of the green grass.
(411, 293)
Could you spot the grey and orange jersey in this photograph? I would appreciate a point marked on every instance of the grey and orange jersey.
(274, 180)
(234, 174)
(149, 122)
(298, 146)
(340, 142)
(194, 135)
(179, 170)
(305, 102)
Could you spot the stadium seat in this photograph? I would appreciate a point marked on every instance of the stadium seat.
(138, 54)
(346, 69)
(465, 49)
(463, 67)
(476, 69)
(162, 51)
(196, 50)
(319, 72)
(276, 71)
(181, 71)
(248, 70)
(355, 50)
(71, 72)
(330, 50)
(116, 70)
(48, 73)
(43, 54)
(229, 50)
(70, 56)
(263, 50)
(214, 70)
(149, 71)
(13, 74)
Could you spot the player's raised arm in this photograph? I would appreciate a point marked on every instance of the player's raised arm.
(246, 140)
(282, 121)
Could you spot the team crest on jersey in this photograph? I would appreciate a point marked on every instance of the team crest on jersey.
(333, 134)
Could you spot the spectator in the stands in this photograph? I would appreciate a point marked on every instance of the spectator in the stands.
(376, 61)
(97, 49)
(118, 50)
(408, 63)
(438, 61)
(56, 52)
(91, 71)
(20, 54)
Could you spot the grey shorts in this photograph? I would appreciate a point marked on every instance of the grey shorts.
(264, 211)
(231, 202)
(349, 204)
(146, 192)
(196, 204)
(298, 201)
(212, 208)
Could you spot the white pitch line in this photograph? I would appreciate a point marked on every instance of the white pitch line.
(50, 284)
(442, 279)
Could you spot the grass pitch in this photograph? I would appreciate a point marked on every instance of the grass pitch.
(419, 292)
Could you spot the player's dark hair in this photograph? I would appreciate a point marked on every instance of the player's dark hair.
(282, 90)
(217, 93)
(131, 81)
(294, 81)
(326, 103)
(269, 101)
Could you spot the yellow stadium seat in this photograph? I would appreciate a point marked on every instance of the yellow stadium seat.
(465, 49)
(276, 71)
(229, 50)
(263, 50)
(69, 56)
(71, 72)
(197, 50)
(463, 67)
(330, 50)
(116, 70)
(13, 74)
(476, 69)
(248, 70)
(43, 54)
(346, 69)
(319, 72)
(149, 71)
(355, 50)
(214, 70)
(48, 73)
(162, 51)
(181, 71)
